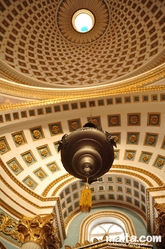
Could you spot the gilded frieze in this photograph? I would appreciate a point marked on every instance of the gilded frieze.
(155, 189)
(58, 96)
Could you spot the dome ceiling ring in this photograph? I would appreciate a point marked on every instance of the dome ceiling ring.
(68, 8)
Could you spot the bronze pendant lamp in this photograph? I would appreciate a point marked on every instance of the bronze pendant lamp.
(87, 153)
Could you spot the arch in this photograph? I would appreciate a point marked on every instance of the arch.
(105, 216)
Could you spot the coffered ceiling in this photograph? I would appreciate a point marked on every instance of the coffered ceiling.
(53, 79)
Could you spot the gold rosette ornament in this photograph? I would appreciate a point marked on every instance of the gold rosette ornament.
(86, 199)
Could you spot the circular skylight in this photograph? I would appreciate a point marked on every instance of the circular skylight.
(83, 20)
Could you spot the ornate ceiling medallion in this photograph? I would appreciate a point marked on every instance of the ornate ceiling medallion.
(97, 13)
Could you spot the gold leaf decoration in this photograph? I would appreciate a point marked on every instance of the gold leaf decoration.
(18, 139)
(133, 139)
(40, 174)
(14, 167)
(2, 146)
(145, 158)
(30, 183)
(28, 159)
(44, 152)
(160, 162)
(134, 119)
(129, 155)
(154, 119)
(53, 168)
(151, 139)
(36, 134)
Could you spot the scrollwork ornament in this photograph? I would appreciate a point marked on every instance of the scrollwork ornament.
(8, 226)
(38, 229)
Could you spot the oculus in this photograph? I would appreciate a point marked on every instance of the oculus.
(83, 20)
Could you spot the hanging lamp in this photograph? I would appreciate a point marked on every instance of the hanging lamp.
(87, 153)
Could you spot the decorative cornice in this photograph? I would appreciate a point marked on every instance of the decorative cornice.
(154, 189)
(11, 210)
(27, 200)
(51, 96)
(159, 197)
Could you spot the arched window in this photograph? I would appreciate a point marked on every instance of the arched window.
(102, 223)
(111, 230)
